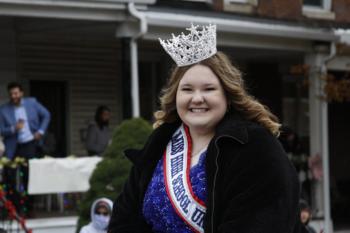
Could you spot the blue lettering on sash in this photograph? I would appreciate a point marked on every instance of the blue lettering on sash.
(176, 165)
(177, 143)
(198, 217)
(180, 193)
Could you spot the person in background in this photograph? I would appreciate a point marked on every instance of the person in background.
(101, 211)
(23, 122)
(305, 217)
(98, 133)
(290, 140)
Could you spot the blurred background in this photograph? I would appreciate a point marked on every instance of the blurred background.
(74, 55)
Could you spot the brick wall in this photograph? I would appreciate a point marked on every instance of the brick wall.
(286, 9)
(341, 8)
(290, 10)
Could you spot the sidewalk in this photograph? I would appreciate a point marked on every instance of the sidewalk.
(51, 225)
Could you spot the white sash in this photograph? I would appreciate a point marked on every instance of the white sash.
(177, 164)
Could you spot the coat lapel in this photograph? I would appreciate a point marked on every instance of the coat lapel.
(11, 113)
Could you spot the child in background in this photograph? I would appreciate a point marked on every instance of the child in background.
(101, 211)
(305, 217)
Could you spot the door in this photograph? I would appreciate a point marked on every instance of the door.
(52, 94)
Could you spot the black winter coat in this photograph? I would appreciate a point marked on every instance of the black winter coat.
(251, 185)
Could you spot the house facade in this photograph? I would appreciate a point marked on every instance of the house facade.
(78, 54)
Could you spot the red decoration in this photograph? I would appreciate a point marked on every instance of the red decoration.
(12, 212)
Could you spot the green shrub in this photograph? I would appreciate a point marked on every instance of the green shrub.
(110, 174)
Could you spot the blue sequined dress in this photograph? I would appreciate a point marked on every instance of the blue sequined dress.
(157, 209)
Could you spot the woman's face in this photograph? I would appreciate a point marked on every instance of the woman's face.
(200, 99)
(105, 116)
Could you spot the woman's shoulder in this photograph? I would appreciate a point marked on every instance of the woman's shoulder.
(262, 147)
(265, 151)
(260, 136)
(263, 158)
(248, 132)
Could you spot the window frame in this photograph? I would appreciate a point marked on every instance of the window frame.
(326, 6)
(319, 12)
(252, 2)
(240, 6)
(205, 1)
(236, 1)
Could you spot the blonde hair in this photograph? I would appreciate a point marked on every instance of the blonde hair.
(237, 97)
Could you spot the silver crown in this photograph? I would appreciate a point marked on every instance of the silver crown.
(197, 46)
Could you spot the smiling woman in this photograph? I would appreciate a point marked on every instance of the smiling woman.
(213, 163)
(231, 83)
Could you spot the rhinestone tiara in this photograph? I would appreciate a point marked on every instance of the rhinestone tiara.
(197, 46)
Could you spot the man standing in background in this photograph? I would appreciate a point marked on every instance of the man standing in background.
(23, 122)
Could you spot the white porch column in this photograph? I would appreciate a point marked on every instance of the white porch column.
(135, 95)
(318, 118)
(133, 30)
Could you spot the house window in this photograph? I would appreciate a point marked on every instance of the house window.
(253, 2)
(236, 1)
(318, 9)
(241, 6)
(318, 3)
(205, 1)
(323, 4)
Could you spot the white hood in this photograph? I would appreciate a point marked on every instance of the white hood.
(92, 211)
